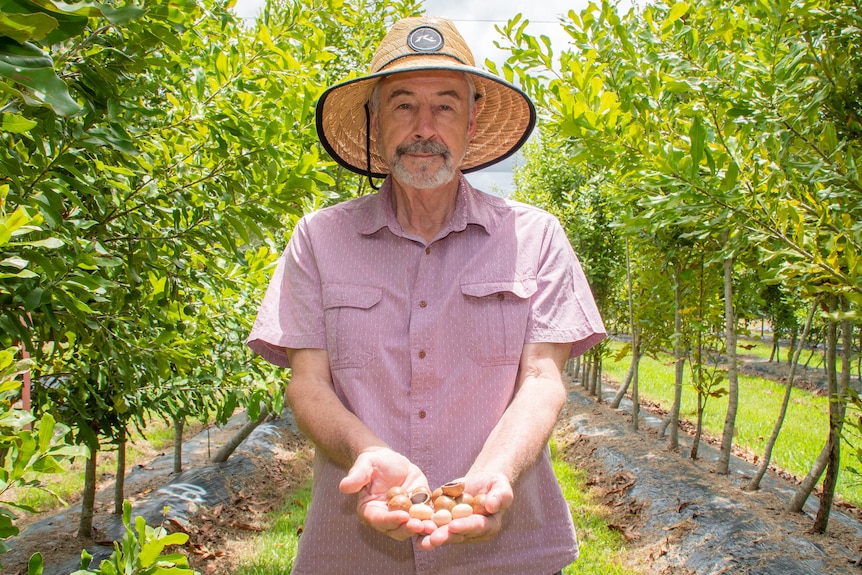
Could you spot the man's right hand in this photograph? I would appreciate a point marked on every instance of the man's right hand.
(374, 472)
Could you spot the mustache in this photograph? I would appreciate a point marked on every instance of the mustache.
(423, 147)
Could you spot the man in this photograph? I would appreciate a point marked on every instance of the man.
(426, 326)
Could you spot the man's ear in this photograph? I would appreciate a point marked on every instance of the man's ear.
(372, 121)
(478, 105)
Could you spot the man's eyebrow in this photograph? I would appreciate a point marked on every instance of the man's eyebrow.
(405, 92)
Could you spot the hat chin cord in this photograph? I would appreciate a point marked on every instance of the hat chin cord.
(368, 148)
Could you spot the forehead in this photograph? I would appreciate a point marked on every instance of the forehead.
(425, 82)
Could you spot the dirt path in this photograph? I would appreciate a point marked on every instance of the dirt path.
(677, 515)
(681, 518)
(220, 506)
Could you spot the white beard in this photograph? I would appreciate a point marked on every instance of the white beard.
(426, 177)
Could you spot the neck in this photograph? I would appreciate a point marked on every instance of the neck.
(424, 212)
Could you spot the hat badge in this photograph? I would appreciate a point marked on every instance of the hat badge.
(425, 39)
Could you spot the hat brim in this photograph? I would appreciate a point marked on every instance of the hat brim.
(505, 121)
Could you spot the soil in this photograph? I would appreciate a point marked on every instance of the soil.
(677, 516)
(220, 506)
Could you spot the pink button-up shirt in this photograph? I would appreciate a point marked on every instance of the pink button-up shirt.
(424, 342)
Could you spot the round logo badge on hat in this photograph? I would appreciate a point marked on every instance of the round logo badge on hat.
(425, 39)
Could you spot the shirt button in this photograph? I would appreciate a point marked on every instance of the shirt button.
(501, 297)
(422, 414)
(423, 303)
(427, 251)
(422, 354)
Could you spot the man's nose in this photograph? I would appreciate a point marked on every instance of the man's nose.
(425, 126)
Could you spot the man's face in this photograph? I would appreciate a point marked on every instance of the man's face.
(424, 121)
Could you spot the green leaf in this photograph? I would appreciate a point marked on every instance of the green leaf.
(20, 217)
(23, 27)
(174, 539)
(150, 552)
(165, 337)
(34, 299)
(697, 136)
(50, 243)
(82, 9)
(7, 528)
(15, 262)
(29, 66)
(730, 177)
(15, 124)
(35, 565)
(172, 571)
(46, 431)
(678, 11)
(122, 14)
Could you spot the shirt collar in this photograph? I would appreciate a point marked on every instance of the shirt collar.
(469, 209)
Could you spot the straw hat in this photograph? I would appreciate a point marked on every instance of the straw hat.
(504, 123)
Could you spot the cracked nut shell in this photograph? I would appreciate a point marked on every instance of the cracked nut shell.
(453, 488)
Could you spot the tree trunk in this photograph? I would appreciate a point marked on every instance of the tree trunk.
(120, 479)
(179, 426)
(672, 418)
(837, 393)
(806, 486)
(695, 444)
(793, 336)
(621, 392)
(810, 481)
(570, 369)
(697, 371)
(859, 360)
(754, 484)
(88, 496)
(775, 353)
(597, 376)
(723, 464)
(624, 386)
(228, 448)
(585, 378)
(636, 400)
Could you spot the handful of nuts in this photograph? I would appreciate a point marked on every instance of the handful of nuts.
(444, 504)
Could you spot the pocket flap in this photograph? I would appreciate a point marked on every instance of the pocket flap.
(520, 288)
(349, 295)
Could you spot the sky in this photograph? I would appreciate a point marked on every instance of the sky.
(475, 19)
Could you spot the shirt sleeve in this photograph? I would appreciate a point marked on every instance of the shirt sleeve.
(291, 314)
(563, 308)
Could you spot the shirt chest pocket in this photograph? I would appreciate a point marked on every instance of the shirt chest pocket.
(352, 324)
(497, 319)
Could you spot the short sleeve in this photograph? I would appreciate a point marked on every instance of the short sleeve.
(291, 314)
(563, 308)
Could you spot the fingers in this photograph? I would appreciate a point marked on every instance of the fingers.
(497, 502)
(397, 525)
(357, 477)
(472, 529)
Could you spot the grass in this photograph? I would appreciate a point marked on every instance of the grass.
(272, 552)
(602, 548)
(811, 358)
(803, 433)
